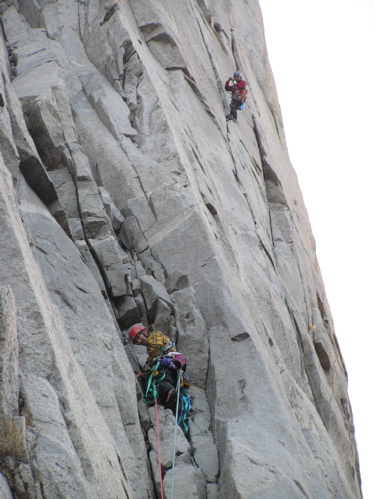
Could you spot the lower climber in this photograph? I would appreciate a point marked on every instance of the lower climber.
(237, 87)
(160, 350)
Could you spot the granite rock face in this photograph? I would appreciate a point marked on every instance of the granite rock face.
(126, 197)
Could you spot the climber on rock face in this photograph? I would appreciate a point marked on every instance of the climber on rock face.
(237, 87)
(160, 349)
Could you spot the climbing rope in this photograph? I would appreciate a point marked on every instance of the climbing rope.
(159, 452)
(183, 407)
(175, 433)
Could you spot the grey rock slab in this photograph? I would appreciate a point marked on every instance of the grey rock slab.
(74, 292)
(162, 321)
(9, 368)
(112, 211)
(192, 334)
(188, 480)
(14, 132)
(111, 108)
(33, 49)
(201, 409)
(66, 191)
(144, 415)
(58, 453)
(18, 148)
(96, 228)
(140, 303)
(24, 481)
(48, 111)
(4, 488)
(153, 291)
(76, 229)
(138, 270)
(127, 312)
(152, 265)
(212, 491)
(205, 452)
(176, 281)
(166, 422)
(43, 321)
(106, 155)
(140, 209)
(107, 253)
(91, 264)
(155, 467)
(131, 235)
(89, 200)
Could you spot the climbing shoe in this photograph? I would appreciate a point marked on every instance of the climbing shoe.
(229, 117)
(171, 398)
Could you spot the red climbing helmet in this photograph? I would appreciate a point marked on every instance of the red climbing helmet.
(134, 331)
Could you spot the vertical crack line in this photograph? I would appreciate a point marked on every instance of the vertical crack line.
(234, 50)
(306, 367)
(216, 75)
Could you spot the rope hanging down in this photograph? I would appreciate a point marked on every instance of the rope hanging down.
(183, 407)
(159, 452)
(175, 434)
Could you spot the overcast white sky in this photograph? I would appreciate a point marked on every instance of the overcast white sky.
(322, 56)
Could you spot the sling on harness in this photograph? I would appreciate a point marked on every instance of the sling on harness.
(154, 378)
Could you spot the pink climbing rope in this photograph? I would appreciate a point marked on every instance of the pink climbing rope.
(159, 452)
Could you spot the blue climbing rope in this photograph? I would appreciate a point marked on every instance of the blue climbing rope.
(184, 410)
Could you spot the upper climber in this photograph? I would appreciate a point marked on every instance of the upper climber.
(238, 92)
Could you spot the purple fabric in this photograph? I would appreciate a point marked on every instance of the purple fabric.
(180, 361)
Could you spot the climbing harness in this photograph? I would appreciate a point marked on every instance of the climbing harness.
(159, 452)
(184, 401)
(184, 404)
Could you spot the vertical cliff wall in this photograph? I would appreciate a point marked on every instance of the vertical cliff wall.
(125, 196)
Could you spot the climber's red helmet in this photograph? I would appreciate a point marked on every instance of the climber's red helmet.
(135, 330)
